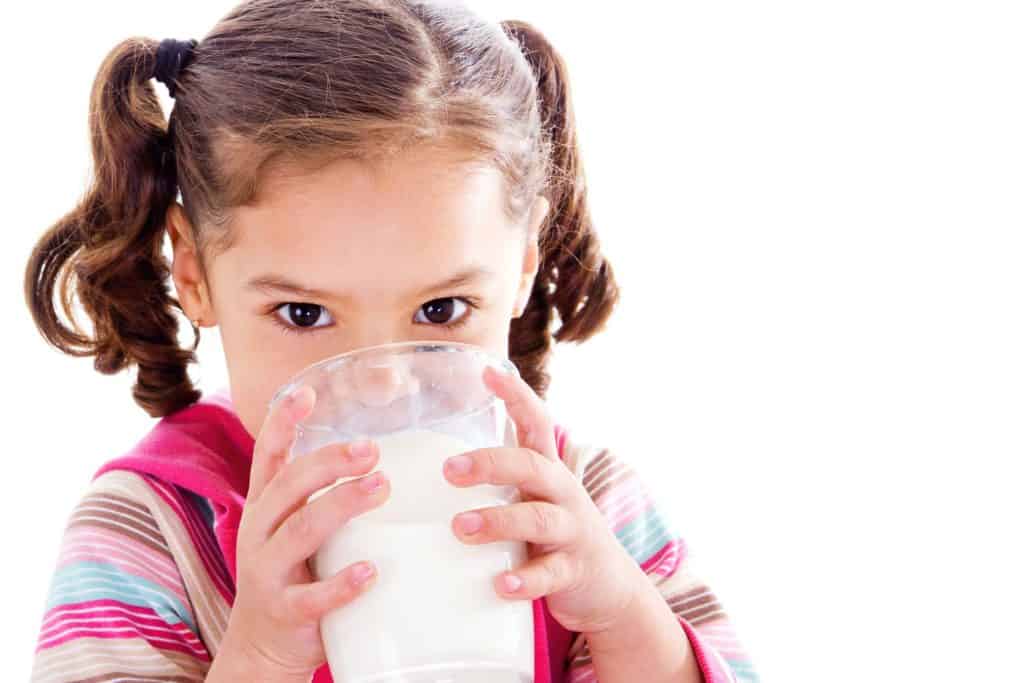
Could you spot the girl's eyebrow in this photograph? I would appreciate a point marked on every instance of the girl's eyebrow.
(278, 283)
(461, 279)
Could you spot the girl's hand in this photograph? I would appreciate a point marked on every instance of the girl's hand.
(273, 631)
(576, 561)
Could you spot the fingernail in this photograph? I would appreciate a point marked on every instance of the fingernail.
(372, 482)
(459, 464)
(470, 522)
(362, 572)
(498, 371)
(361, 449)
(511, 583)
(300, 400)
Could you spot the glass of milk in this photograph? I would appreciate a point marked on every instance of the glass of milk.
(433, 615)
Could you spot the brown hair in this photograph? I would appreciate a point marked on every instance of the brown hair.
(284, 84)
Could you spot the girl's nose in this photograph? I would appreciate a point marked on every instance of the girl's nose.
(380, 382)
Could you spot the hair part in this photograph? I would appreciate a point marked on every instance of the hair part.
(281, 85)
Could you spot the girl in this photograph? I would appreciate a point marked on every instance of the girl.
(352, 172)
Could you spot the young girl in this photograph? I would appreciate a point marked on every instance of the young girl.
(352, 172)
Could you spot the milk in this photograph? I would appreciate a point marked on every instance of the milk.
(432, 615)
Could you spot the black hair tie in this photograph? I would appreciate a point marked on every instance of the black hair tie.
(171, 58)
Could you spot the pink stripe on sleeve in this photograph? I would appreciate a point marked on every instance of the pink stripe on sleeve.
(710, 662)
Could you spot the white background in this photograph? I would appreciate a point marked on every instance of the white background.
(815, 212)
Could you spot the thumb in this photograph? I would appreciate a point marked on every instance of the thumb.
(277, 436)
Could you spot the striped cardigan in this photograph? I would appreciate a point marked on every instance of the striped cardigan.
(145, 577)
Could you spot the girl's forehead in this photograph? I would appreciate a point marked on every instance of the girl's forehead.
(351, 198)
(356, 225)
(419, 178)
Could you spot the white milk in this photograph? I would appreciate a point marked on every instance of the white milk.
(433, 615)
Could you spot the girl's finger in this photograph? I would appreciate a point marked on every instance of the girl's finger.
(529, 471)
(277, 434)
(306, 529)
(534, 522)
(308, 602)
(297, 480)
(527, 410)
(541, 576)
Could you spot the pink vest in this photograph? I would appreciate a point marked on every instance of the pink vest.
(206, 449)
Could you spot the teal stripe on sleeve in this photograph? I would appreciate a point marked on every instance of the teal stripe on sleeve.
(85, 581)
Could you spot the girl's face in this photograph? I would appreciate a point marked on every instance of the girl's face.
(358, 255)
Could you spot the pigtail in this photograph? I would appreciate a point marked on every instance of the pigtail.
(107, 251)
(574, 278)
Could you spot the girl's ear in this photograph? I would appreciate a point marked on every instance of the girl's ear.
(531, 257)
(193, 291)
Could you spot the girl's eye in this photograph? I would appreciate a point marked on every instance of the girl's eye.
(447, 312)
(302, 315)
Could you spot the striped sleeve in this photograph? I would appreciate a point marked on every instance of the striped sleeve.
(117, 607)
(642, 528)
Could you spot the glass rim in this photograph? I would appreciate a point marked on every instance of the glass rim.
(390, 347)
